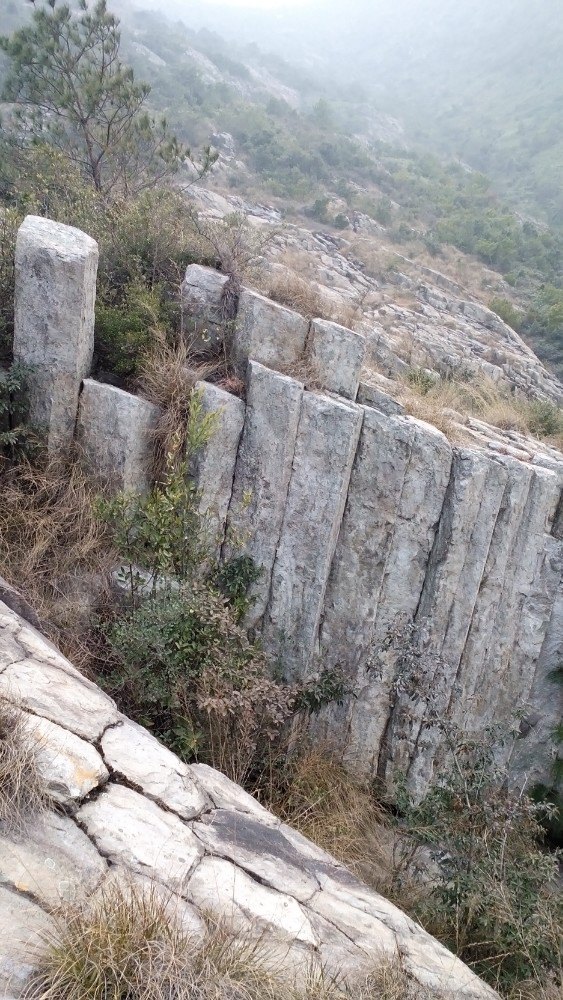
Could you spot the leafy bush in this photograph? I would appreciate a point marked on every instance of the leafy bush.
(545, 419)
(125, 331)
(16, 437)
(507, 312)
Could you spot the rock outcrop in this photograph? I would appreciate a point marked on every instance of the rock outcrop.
(373, 532)
(123, 805)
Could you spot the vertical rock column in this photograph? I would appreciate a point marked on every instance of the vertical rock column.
(213, 467)
(262, 474)
(327, 439)
(55, 295)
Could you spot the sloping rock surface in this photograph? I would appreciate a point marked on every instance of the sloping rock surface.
(123, 803)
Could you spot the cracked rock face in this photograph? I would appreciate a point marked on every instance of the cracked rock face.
(134, 812)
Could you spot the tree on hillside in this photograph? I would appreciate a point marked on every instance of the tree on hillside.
(72, 90)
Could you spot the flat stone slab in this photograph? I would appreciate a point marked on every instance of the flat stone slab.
(53, 861)
(132, 753)
(73, 702)
(133, 831)
(70, 767)
(260, 850)
(116, 434)
(23, 926)
(222, 889)
(266, 332)
(226, 794)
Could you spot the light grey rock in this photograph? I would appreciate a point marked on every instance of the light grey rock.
(202, 308)
(396, 493)
(135, 832)
(326, 444)
(23, 927)
(370, 395)
(266, 332)
(227, 893)
(262, 474)
(71, 767)
(213, 467)
(451, 587)
(226, 794)
(54, 862)
(55, 290)
(116, 434)
(337, 355)
(71, 701)
(15, 600)
(260, 850)
(132, 753)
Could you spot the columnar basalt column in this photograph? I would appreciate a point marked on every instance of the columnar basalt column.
(55, 294)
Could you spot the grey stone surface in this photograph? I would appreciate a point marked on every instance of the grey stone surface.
(133, 831)
(55, 290)
(116, 434)
(53, 862)
(262, 474)
(337, 355)
(326, 444)
(72, 702)
(229, 894)
(15, 600)
(266, 332)
(233, 862)
(260, 850)
(213, 467)
(202, 312)
(132, 753)
(71, 767)
(23, 926)
(370, 395)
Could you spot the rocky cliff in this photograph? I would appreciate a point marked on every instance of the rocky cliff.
(428, 572)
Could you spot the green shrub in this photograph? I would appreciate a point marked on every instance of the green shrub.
(234, 580)
(125, 331)
(545, 419)
(507, 312)
(16, 436)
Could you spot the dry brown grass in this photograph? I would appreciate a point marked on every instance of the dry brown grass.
(22, 789)
(319, 798)
(128, 944)
(53, 547)
(167, 376)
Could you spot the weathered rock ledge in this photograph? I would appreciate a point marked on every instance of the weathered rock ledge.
(122, 803)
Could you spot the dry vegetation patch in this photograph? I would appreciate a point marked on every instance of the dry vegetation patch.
(127, 943)
(53, 546)
(22, 789)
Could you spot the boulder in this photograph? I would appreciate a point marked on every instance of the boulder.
(55, 290)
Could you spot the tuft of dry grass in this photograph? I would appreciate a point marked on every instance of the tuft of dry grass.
(167, 376)
(126, 943)
(297, 293)
(317, 796)
(22, 789)
(53, 546)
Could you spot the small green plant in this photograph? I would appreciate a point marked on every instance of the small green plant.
(234, 580)
(422, 380)
(162, 536)
(125, 330)
(507, 312)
